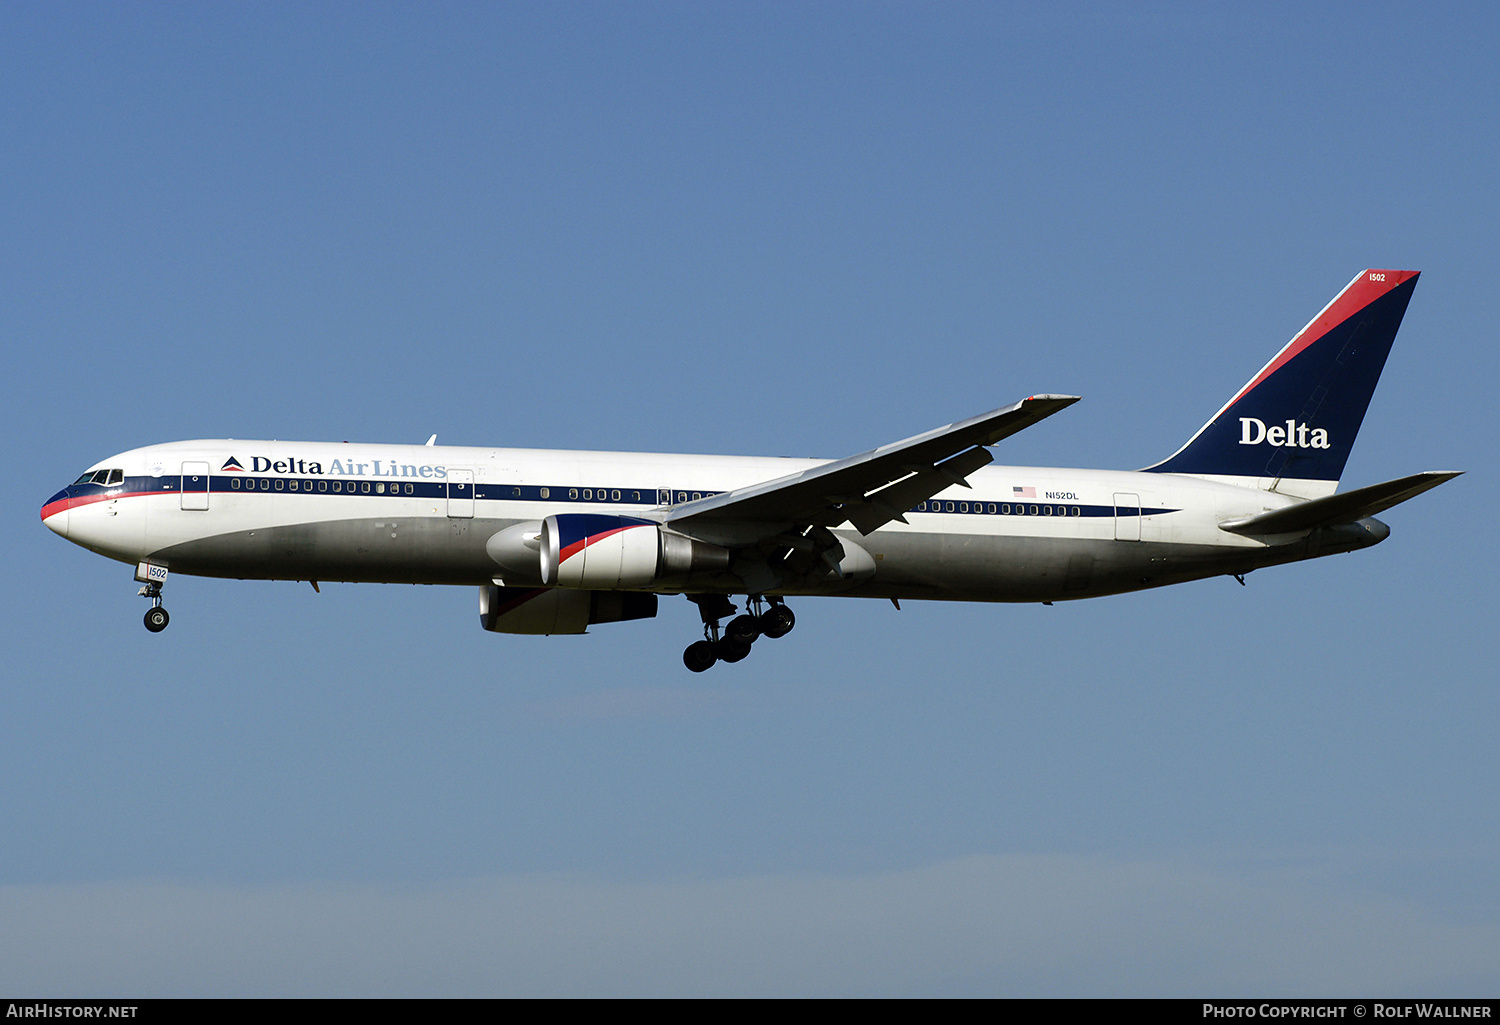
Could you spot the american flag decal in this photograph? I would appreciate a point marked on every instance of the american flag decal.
(1023, 492)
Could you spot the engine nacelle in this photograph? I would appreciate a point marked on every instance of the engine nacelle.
(556, 610)
(588, 550)
(516, 550)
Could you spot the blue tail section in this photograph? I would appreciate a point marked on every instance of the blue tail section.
(1296, 419)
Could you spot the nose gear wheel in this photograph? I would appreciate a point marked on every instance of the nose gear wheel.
(156, 616)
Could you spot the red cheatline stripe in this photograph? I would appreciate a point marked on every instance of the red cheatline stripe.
(520, 600)
(53, 508)
(593, 539)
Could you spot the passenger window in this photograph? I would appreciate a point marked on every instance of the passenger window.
(614, 496)
(635, 496)
(573, 493)
(366, 487)
(410, 489)
(546, 492)
(322, 485)
(1046, 510)
(234, 482)
(1033, 510)
(294, 485)
(338, 486)
(588, 494)
(515, 492)
(280, 484)
(380, 488)
(1076, 511)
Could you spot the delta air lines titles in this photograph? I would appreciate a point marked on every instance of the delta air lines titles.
(338, 468)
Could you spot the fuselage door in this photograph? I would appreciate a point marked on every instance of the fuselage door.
(1127, 517)
(195, 486)
(461, 494)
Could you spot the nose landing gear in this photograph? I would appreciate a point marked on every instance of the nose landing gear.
(737, 638)
(153, 577)
(156, 616)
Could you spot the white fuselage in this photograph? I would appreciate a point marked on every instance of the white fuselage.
(423, 514)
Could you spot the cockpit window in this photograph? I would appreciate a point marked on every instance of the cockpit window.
(106, 477)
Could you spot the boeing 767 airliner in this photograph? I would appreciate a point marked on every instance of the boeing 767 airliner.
(559, 540)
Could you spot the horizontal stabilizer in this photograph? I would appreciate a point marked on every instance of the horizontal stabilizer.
(1341, 508)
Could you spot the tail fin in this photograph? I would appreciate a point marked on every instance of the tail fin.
(1290, 429)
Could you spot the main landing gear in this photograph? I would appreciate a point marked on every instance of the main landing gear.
(156, 616)
(735, 641)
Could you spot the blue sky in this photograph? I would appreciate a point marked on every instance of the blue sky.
(763, 229)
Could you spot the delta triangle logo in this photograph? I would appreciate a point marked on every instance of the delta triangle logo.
(232, 464)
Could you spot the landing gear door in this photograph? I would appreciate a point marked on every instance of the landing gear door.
(195, 486)
(461, 494)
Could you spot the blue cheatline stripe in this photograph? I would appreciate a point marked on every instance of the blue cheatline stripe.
(575, 527)
(344, 487)
(1064, 510)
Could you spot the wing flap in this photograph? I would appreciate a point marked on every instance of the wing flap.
(1345, 507)
(891, 502)
(870, 489)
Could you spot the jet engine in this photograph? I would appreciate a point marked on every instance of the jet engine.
(599, 552)
(556, 610)
(590, 550)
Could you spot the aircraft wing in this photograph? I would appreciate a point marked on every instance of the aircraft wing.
(867, 490)
(1345, 507)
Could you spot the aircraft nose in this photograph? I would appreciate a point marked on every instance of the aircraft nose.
(55, 512)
